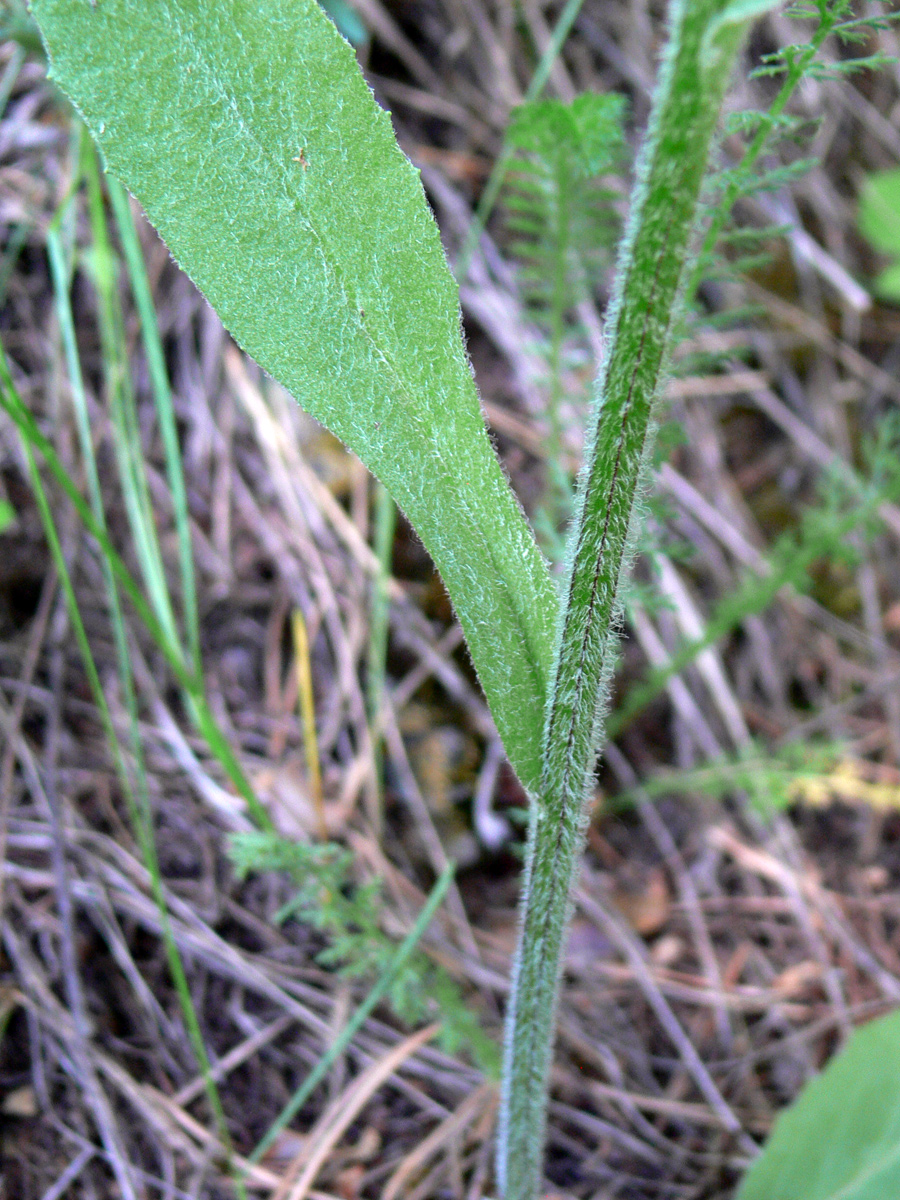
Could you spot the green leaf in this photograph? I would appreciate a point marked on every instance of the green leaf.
(251, 139)
(879, 221)
(7, 516)
(879, 211)
(588, 131)
(841, 1139)
(347, 21)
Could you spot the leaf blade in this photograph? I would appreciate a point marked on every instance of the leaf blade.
(258, 151)
(841, 1139)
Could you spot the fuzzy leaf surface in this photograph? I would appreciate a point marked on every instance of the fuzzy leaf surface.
(257, 150)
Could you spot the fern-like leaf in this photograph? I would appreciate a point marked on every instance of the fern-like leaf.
(564, 226)
(764, 165)
(349, 915)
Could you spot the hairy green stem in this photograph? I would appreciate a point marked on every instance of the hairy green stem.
(560, 482)
(704, 37)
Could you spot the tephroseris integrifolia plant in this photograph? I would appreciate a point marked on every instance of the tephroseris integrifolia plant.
(250, 137)
(703, 38)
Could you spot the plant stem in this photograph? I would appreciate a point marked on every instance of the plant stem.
(704, 37)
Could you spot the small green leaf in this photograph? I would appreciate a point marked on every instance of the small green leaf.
(251, 139)
(347, 21)
(879, 210)
(7, 516)
(879, 222)
(841, 1139)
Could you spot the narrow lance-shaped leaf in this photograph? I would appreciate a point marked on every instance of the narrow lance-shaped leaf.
(251, 139)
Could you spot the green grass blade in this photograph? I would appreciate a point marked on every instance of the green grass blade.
(11, 403)
(259, 153)
(134, 781)
(127, 441)
(136, 790)
(165, 411)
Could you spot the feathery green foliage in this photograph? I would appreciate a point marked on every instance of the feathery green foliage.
(831, 530)
(351, 915)
(772, 780)
(765, 133)
(729, 249)
(352, 1027)
(564, 226)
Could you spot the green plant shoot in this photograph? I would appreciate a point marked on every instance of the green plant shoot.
(704, 37)
(259, 153)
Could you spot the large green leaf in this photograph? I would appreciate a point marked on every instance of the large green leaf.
(841, 1139)
(251, 139)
